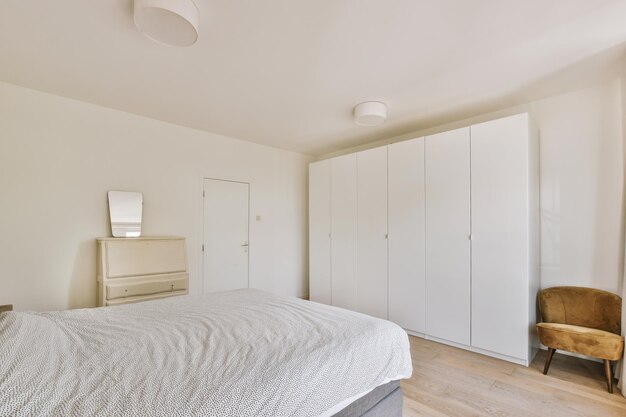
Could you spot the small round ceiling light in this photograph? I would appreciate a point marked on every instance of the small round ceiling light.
(169, 22)
(370, 113)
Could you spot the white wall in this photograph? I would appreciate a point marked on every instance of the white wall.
(59, 157)
(582, 181)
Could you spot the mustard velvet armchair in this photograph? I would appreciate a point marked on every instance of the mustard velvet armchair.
(582, 320)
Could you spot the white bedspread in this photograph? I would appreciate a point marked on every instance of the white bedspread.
(237, 353)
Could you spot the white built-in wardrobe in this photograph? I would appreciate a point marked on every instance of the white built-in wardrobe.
(438, 234)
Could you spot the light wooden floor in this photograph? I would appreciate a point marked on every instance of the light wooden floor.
(453, 382)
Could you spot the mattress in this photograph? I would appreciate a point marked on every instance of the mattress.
(236, 353)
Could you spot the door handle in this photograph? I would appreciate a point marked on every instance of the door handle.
(245, 244)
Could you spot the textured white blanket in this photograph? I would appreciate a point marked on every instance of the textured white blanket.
(238, 353)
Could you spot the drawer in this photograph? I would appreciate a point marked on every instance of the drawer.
(141, 298)
(133, 257)
(146, 286)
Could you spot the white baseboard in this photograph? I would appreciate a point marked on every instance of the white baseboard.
(576, 355)
(470, 348)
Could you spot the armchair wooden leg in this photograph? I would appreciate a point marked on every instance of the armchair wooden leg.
(551, 352)
(609, 375)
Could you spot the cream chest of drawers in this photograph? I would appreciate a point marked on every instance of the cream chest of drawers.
(140, 269)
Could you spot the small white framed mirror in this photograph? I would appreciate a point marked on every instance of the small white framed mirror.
(125, 209)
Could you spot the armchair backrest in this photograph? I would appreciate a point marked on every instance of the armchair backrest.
(579, 306)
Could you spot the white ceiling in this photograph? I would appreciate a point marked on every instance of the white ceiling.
(287, 73)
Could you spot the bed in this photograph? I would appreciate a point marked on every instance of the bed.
(236, 353)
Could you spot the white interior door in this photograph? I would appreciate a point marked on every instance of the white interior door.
(226, 222)
(500, 236)
(448, 235)
(343, 200)
(372, 232)
(319, 232)
(407, 240)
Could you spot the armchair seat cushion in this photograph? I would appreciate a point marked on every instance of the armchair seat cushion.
(583, 340)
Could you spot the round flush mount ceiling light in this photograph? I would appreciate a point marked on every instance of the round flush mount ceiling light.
(370, 113)
(169, 22)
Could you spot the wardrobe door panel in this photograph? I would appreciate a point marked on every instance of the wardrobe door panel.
(372, 232)
(319, 232)
(343, 201)
(500, 224)
(407, 235)
(447, 182)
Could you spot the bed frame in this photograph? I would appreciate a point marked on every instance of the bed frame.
(384, 401)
